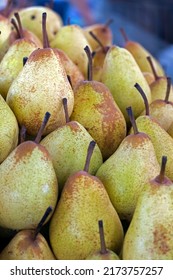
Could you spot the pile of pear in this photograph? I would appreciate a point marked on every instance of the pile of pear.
(86, 146)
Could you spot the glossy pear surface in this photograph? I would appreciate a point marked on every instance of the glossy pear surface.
(158, 89)
(28, 183)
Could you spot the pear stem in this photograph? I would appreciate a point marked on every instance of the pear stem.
(15, 26)
(138, 87)
(64, 101)
(7, 8)
(97, 40)
(89, 154)
(89, 54)
(102, 238)
(161, 176)
(132, 120)
(70, 82)
(40, 132)
(43, 219)
(22, 134)
(124, 34)
(152, 67)
(19, 25)
(44, 31)
(25, 60)
(108, 22)
(168, 89)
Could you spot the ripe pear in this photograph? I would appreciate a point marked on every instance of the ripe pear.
(103, 253)
(40, 87)
(102, 31)
(31, 18)
(150, 235)
(149, 77)
(67, 146)
(95, 108)
(120, 73)
(73, 230)
(140, 54)
(29, 244)
(12, 62)
(9, 130)
(28, 182)
(125, 172)
(161, 140)
(72, 41)
(159, 85)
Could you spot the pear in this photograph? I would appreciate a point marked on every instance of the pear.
(29, 244)
(31, 18)
(162, 110)
(9, 130)
(103, 253)
(159, 85)
(140, 54)
(101, 31)
(95, 108)
(12, 62)
(72, 41)
(28, 182)
(162, 141)
(149, 77)
(120, 73)
(125, 172)
(40, 87)
(150, 235)
(73, 230)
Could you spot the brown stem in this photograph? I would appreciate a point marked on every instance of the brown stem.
(89, 154)
(124, 34)
(138, 87)
(103, 249)
(5, 12)
(168, 89)
(132, 120)
(152, 67)
(43, 219)
(16, 27)
(19, 25)
(44, 31)
(40, 132)
(108, 22)
(160, 178)
(64, 101)
(97, 40)
(22, 134)
(89, 54)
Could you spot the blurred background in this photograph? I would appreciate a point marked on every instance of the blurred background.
(149, 22)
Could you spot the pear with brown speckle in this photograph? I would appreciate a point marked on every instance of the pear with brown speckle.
(150, 234)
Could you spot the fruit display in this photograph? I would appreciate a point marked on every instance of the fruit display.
(86, 146)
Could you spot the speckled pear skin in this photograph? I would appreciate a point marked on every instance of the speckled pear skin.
(125, 173)
(150, 235)
(109, 255)
(12, 63)
(40, 88)
(158, 89)
(96, 110)
(72, 41)
(161, 140)
(28, 186)
(140, 54)
(9, 130)
(120, 73)
(23, 246)
(73, 228)
(68, 146)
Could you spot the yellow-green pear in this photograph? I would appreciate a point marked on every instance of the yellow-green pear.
(9, 130)
(125, 172)
(161, 140)
(150, 235)
(67, 146)
(73, 230)
(29, 244)
(140, 53)
(120, 73)
(28, 182)
(40, 87)
(71, 40)
(31, 18)
(6, 35)
(12, 62)
(103, 253)
(95, 108)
